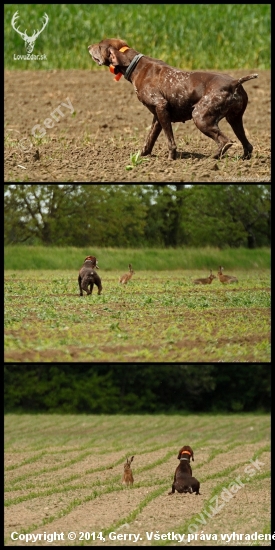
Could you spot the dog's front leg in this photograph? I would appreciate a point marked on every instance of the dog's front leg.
(165, 121)
(173, 490)
(152, 137)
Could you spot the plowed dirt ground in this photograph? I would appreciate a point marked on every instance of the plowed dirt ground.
(63, 476)
(108, 124)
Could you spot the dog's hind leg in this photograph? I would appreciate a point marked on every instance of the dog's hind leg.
(209, 126)
(91, 288)
(236, 123)
(173, 490)
(80, 288)
(85, 285)
(207, 117)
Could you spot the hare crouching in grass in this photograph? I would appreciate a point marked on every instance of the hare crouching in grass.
(128, 474)
(226, 278)
(206, 280)
(125, 278)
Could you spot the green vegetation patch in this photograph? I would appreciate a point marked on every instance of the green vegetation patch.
(157, 316)
(209, 36)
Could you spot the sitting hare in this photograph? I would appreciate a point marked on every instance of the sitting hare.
(128, 474)
(125, 278)
(206, 280)
(226, 278)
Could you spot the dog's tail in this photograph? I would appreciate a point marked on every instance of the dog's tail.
(245, 78)
(234, 84)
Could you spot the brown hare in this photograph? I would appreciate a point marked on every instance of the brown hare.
(206, 280)
(226, 278)
(128, 474)
(125, 278)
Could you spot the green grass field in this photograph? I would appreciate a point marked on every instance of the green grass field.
(212, 36)
(63, 475)
(18, 257)
(158, 316)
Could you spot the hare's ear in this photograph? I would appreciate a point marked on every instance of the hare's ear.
(132, 458)
(130, 266)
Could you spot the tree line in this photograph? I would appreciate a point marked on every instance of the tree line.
(138, 215)
(122, 389)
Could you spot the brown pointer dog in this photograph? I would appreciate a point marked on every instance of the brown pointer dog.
(183, 480)
(88, 277)
(173, 95)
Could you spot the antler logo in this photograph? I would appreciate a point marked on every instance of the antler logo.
(29, 40)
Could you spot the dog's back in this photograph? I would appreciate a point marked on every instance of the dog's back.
(185, 453)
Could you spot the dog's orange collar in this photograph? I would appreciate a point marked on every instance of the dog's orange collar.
(112, 68)
(187, 452)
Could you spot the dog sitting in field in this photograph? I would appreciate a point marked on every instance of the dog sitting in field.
(88, 277)
(183, 480)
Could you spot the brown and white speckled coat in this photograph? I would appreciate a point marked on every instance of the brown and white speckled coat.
(173, 95)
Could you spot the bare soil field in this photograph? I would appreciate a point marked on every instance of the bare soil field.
(63, 475)
(94, 143)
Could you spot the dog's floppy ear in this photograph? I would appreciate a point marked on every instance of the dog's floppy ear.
(112, 56)
(117, 58)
